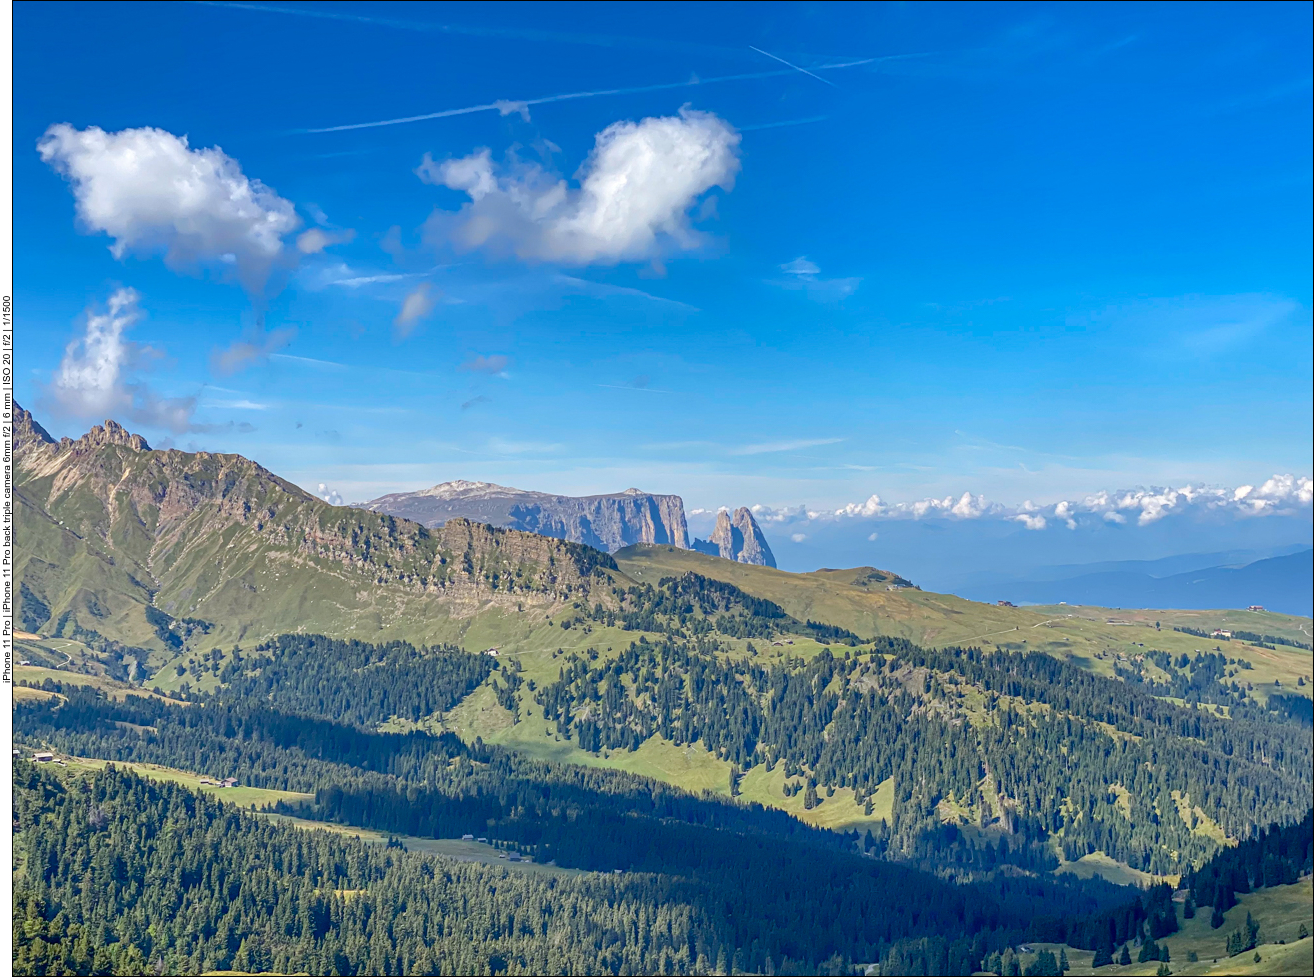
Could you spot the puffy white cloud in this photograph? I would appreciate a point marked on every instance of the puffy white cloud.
(95, 378)
(872, 507)
(798, 537)
(153, 194)
(328, 495)
(970, 506)
(1031, 521)
(632, 203)
(418, 304)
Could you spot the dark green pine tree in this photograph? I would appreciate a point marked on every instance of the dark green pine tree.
(1124, 958)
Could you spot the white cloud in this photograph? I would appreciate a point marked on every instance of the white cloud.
(94, 380)
(872, 507)
(255, 347)
(153, 194)
(1279, 494)
(632, 204)
(418, 304)
(328, 495)
(804, 274)
(798, 537)
(495, 365)
(872, 538)
(801, 267)
(317, 239)
(774, 446)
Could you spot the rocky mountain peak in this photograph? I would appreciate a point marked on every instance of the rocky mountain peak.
(28, 434)
(114, 433)
(462, 489)
(737, 537)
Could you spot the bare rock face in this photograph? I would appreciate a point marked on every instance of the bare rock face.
(737, 538)
(605, 522)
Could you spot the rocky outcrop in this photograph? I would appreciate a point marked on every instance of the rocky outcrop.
(737, 537)
(605, 522)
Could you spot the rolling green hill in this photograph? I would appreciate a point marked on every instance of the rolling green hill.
(871, 603)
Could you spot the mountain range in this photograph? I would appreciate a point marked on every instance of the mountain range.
(1281, 583)
(765, 745)
(605, 522)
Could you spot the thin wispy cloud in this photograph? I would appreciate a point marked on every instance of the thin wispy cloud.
(805, 71)
(494, 365)
(362, 280)
(783, 124)
(605, 289)
(775, 446)
(632, 386)
(805, 275)
(309, 361)
(507, 33)
(236, 404)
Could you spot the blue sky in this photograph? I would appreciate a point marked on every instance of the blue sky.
(1024, 251)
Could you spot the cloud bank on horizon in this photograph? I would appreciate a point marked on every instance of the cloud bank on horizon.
(1281, 494)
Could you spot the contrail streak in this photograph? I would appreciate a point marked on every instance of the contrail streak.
(805, 71)
(506, 106)
(656, 45)
(780, 125)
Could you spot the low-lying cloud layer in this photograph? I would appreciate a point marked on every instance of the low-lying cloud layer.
(1281, 494)
(632, 204)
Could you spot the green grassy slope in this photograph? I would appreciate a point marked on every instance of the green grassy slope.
(860, 599)
(1280, 912)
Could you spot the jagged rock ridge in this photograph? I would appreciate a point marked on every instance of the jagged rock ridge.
(107, 527)
(737, 537)
(605, 522)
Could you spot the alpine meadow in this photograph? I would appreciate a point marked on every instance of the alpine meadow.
(961, 624)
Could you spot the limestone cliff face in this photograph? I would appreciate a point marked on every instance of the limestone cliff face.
(605, 522)
(737, 537)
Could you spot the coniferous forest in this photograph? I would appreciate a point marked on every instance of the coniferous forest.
(120, 873)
